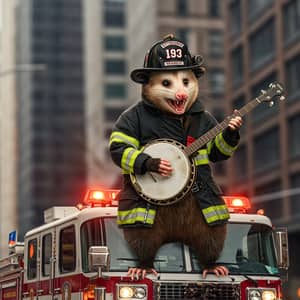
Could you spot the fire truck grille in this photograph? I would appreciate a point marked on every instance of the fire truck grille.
(196, 290)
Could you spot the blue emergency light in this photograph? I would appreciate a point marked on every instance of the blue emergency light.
(12, 238)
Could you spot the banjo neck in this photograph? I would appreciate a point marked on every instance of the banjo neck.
(212, 133)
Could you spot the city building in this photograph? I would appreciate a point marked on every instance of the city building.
(8, 130)
(51, 111)
(107, 82)
(262, 45)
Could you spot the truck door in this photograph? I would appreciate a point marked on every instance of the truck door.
(32, 268)
(67, 282)
(48, 247)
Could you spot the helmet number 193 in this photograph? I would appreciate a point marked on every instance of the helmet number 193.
(174, 53)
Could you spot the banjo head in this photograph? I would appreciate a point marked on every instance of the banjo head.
(160, 190)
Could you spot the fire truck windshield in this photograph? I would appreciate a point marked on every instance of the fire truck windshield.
(248, 249)
(104, 231)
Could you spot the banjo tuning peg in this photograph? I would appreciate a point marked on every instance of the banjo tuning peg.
(281, 98)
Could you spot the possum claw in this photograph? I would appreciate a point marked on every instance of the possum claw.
(138, 273)
(217, 270)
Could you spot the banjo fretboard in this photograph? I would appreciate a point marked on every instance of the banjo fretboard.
(212, 133)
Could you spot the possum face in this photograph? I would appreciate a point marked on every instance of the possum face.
(172, 92)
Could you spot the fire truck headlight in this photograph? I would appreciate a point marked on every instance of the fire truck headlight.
(132, 292)
(261, 294)
(140, 293)
(126, 292)
(268, 295)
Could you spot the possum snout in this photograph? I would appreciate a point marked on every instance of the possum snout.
(181, 96)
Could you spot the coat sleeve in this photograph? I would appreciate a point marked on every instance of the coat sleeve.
(224, 144)
(124, 144)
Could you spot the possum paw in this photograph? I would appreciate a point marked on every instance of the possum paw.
(139, 273)
(217, 270)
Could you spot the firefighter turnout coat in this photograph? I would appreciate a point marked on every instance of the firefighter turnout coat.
(142, 123)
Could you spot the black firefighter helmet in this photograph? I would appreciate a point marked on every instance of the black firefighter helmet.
(168, 54)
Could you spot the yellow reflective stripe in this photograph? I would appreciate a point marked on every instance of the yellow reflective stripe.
(209, 146)
(201, 158)
(215, 213)
(120, 137)
(223, 146)
(139, 214)
(128, 159)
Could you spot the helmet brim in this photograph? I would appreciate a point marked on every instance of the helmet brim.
(141, 75)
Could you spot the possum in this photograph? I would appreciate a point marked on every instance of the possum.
(173, 93)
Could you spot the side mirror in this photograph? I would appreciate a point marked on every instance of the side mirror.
(282, 248)
(99, 259)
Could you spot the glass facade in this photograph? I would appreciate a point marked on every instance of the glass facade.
(115, 43)
(115, 91)
(114, 14)
(235, 20)
(257, 7)
(266, 150)
(182, 7)
(51, 109)
(293, 78)
(217, 81)
(294, 141)
(216, 44)
(291, 19)
(262, 45)
(115, 67)
(237, 66)
(263, 111)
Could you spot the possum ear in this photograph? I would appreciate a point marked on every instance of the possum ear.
(140, 76)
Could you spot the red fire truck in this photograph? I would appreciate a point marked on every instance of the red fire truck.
(80, 253)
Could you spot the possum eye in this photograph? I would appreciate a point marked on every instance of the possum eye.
(186, 81)
(166, 82)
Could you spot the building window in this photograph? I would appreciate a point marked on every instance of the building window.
(112, 114)
(291, 21)
(216, 44)
(218, 113)
(114, 43)
(115, 67)
(235, 19)
(237, 66)
(114, 14)
(182, 7)
(273, 208)
(183, 34)
(115, 91)
(240, 163)
(214, 8)
(238, 103)
(257, 7)
(67, 250)
(217, 81)
(295, 201)
(262, 46)
(32, 259)
(266, 150)
(263, 111)
(293, 78)
(294, 141)
(46, 254)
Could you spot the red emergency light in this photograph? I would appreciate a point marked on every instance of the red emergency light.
(101, 197)
(237, 204)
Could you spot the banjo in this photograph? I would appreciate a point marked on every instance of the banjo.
(160, 190)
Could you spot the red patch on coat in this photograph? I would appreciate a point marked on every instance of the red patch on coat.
(189, 140)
